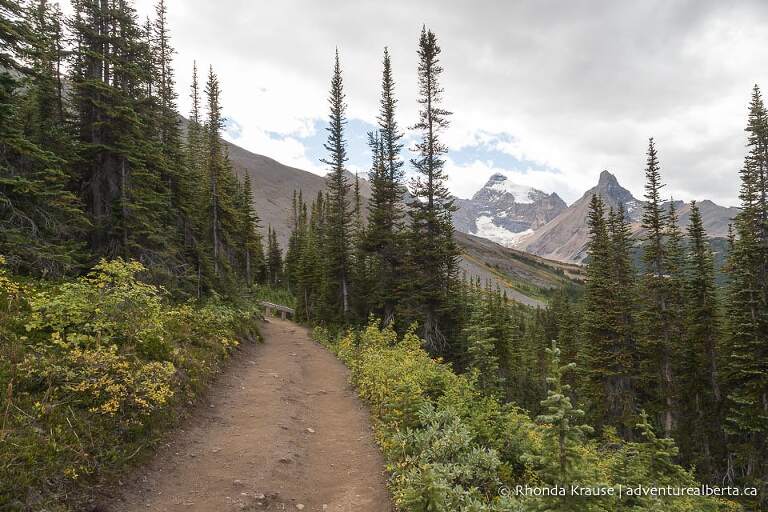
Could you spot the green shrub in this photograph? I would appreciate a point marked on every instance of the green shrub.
(448, 447)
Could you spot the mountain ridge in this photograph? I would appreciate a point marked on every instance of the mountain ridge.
(565, 237)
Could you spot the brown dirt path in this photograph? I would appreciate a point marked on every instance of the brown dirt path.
(281, 430)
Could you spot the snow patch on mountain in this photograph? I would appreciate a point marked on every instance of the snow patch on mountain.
(486, 228)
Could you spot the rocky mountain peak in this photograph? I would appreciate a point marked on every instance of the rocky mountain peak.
(607, 179)
(612, 192)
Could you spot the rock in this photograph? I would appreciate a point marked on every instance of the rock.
(310, 430)
(237, 483)
(285, 460)
(299, 506)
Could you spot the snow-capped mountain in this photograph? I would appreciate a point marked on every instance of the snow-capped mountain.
(506, 212)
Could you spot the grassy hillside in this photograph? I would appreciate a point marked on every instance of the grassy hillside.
(527, 278)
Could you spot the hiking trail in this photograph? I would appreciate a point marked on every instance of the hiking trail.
(280, 430)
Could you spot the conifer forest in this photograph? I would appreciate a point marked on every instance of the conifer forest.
(134, 265)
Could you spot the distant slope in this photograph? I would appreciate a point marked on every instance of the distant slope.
(273, 184)
(527, 278)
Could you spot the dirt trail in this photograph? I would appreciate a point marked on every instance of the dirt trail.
(281, 430)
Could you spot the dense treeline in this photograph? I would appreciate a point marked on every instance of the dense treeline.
(668, 341)
(97, 171)
(95, 162)
(656, 348)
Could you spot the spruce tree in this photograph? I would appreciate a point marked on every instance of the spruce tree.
(222, 189)
(701, 436)
(434, 251)
(746, 366)
(295, 241)
(623, 382)
(608, 331)
(168, 127)
(659, 337)
(481, 346)
(311, 274)
(274, 257)
(561, 461)
(384, 234)
(194, 192)
(338, 230)
(252, 249)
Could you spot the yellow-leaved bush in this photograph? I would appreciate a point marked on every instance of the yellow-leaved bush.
(94, 369)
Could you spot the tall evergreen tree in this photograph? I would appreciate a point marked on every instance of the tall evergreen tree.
(338, 219)
(274, 264)
(168, 116)
(435, 254)
(385, 215)
(194, 192)
(746, 368)
(251, 246)
(608, 331)
(659, 314)
(222, 187)
(701, 438)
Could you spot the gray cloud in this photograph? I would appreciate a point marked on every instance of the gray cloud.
(580, 85)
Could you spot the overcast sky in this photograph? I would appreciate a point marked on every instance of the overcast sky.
(548, 92)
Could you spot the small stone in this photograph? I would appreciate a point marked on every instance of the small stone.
(310, 430)
(299, 506)
(216, 450)
(285, 460)
(259, 496)
(237, 483)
